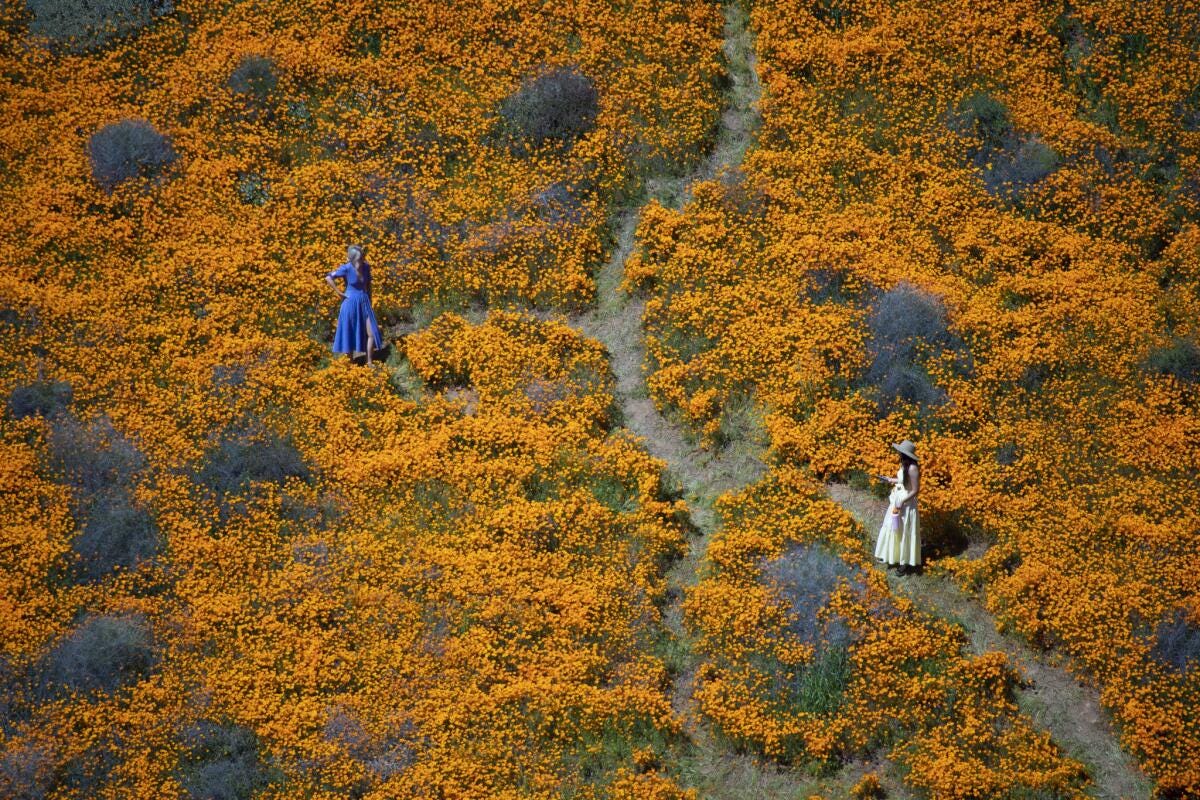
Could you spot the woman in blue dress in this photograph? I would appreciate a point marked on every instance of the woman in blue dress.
(357, 330)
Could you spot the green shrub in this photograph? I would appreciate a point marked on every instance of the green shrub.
(1010, 161)
(613, 494)
(80, 25)
(908, 325)
(253, 78)
(835, 13)
(558, 105)
(1180, 359)
(127, 149)
(42, 398)
(820, 686)
(222, 762)
(984, 116)
(252, 189)
(101, 655)
(1177, 642)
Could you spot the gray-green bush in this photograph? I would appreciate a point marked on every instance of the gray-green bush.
(253, 189)
(1188, 110)
(560, 203)
(93, 456)
(26, 773)
(40, 398)
(1180, 359)
(383, 758)
(244, 456)
(557, 105)
(102, 654)
(1009, 160)
(127, 149)
(222, 762)
(116, 534)
(79, 25)
(825, 285)
(1177, 642)
(908, 326)
(102, 468)
(805, 577)
(253, 78)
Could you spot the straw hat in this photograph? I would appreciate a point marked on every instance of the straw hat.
(907, 448)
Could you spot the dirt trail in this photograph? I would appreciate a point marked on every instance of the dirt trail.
(616, 320)
(703, 475)
(1056, 701)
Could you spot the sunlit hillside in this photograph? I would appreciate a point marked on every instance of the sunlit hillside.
(660, 282)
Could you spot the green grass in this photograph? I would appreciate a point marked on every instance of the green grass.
(402, 377)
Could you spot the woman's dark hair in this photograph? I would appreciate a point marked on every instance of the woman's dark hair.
(907, 460)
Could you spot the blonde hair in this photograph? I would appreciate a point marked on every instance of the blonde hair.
(358, 261)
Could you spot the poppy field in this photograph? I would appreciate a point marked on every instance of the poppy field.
(235, 565)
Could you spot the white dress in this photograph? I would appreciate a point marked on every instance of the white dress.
(900, 544)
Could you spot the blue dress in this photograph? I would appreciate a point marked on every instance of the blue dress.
(355, 317)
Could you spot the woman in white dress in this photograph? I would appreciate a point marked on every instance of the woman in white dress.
(899, 539)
